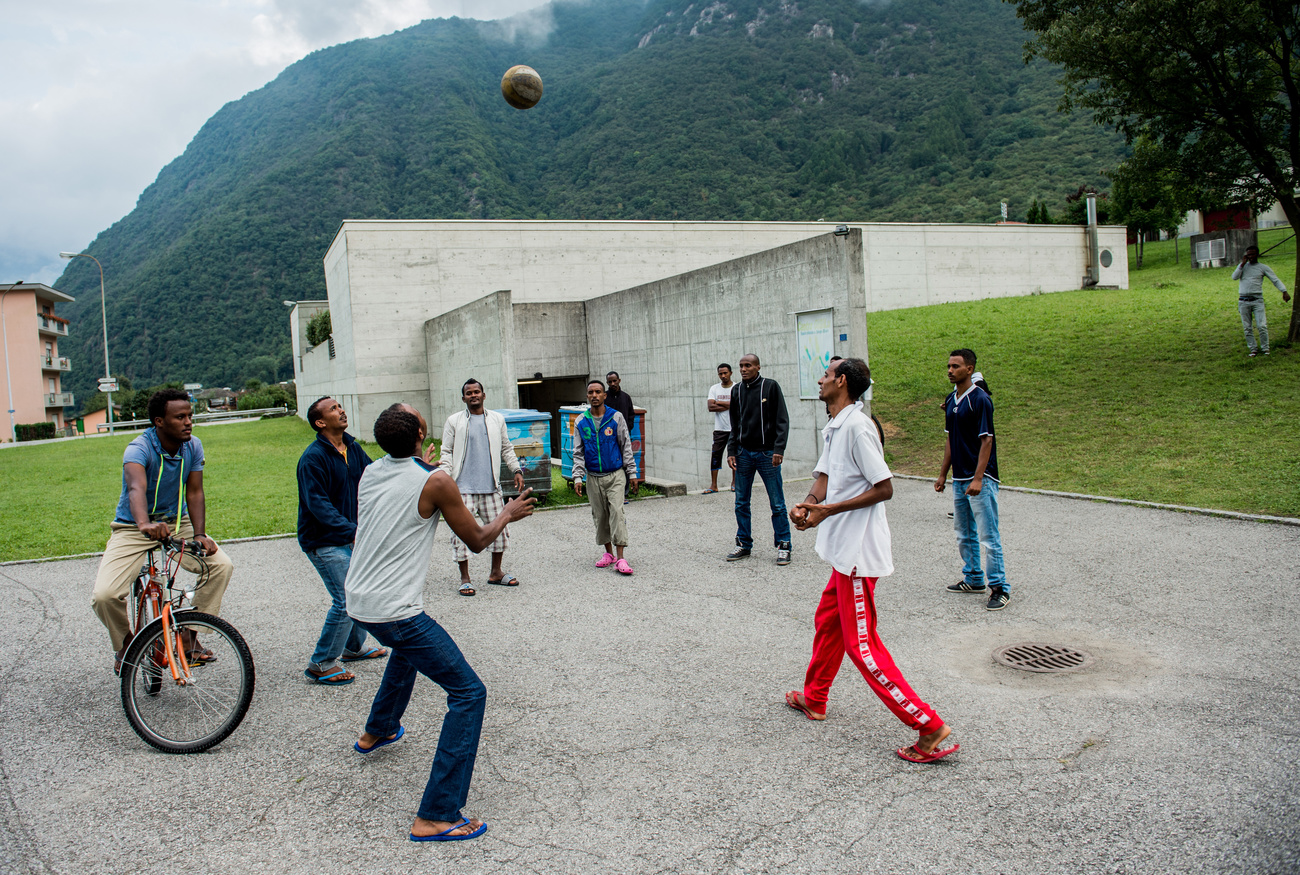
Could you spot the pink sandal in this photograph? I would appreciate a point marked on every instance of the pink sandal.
(605, 561)
(914, 754)
(622, 567)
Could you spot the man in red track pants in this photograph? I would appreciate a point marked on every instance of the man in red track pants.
(847, 502)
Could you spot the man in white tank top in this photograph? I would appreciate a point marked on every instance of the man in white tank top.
(399, 500)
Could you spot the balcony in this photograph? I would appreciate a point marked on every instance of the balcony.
(53, 325)
(59, 399)
(55, 363)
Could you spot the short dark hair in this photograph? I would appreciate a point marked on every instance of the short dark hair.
(1249, 248)
(967, 355)
(159, 400)
(471, 382)
(314, 412)
(856, 374)
(600, 383)
(397, 432)
(723, 365)
(612, 374)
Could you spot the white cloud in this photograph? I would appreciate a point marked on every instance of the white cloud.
(97, 96)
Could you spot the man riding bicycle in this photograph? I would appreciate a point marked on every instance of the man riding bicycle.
(153, 467)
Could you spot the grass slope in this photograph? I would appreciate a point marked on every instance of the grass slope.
(1144, 393)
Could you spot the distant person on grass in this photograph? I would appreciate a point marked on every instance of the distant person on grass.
(760, 426)
(602, 451)
(846, 503)
(1250, 297)
(971, 452)
(400, 500)
(475, 444)
(719, 404)
(151, 509)
(328, 473)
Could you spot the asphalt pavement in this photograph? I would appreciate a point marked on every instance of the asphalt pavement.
(637, 725)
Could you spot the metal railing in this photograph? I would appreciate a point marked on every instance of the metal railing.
(214, 416)
(59, 399)
(53, 324)
(56, 363)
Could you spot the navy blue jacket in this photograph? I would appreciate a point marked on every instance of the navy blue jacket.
(327, 493)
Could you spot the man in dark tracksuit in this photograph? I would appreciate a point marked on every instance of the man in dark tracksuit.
(759, 428)
(328, 473)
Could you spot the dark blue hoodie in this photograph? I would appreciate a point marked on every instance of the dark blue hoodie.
(327, 493)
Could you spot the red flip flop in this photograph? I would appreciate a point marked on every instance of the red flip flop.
(914, 754)
(792, 701)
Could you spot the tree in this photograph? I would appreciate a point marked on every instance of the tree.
(319, 328)
(1147, 194)
(1214, 82)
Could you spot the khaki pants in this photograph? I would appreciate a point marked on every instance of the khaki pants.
(120, 565)
(605, 492)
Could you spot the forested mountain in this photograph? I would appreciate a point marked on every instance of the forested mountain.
(916, 110)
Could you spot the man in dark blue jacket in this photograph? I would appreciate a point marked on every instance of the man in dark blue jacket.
(328, 473)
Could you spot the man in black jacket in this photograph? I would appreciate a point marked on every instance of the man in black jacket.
(759, 428)
(328, 473)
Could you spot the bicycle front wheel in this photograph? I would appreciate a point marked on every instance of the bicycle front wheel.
(192, 716)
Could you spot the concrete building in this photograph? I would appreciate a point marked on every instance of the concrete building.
(32, 369)
(417, 307)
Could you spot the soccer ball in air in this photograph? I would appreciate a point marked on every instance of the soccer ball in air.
(521, 87)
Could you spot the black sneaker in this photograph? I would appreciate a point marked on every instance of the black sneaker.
(738, 553)
(998, 599)
(783, 553)
(963, 586)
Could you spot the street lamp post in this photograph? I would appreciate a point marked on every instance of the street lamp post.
(103, 310)
(9, 380)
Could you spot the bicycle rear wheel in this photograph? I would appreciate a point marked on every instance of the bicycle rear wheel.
(187, 718)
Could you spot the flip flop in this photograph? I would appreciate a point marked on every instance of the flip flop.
(330, 678)
(708, 492)
(444, 837)
(794, 703)
(401, 731)
(914, 754)
(508, 580)
(466, 589)
(200, 656)
(368, 653)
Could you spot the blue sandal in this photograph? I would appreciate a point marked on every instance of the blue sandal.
(401, 730)
(332, 678)
(445, 837)
(368, 653)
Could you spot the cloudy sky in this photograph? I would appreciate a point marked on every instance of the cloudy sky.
(97, 96)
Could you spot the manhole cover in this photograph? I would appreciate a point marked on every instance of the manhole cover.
(1033, 656)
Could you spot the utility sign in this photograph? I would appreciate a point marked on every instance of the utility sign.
(192, 387)
(107, 384)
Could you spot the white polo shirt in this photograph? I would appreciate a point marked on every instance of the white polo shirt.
(855, 543)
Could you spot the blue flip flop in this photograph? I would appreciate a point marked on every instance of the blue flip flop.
(401, 730)
(330, 679)
(444, 837)
(368, 653)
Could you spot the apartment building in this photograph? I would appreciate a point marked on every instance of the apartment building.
(31, 370)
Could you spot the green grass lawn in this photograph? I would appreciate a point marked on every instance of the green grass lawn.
(1143, 393)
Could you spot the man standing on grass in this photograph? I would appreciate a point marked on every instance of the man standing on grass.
(971, 452)
(328, 473)
(151, 508)
(1250, 297)
(602, 450)
(475, 444)
(759, 428)
(400, 500)
(719, 404)
(846, 504)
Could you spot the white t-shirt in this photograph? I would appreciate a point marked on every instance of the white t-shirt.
(856, 543)
(721, 418)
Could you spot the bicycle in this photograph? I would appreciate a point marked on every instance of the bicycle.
(180, 697)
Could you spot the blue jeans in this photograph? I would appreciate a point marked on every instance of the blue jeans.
(747, 462)
(975, 517)
(420, 644)
(339, 632)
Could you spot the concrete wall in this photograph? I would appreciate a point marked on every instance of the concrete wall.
(476, 340)
(551, 339)
(666, 339)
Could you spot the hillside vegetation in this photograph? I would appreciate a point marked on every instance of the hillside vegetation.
(746, 109)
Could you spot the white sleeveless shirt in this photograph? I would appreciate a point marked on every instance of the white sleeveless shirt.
(394, 543)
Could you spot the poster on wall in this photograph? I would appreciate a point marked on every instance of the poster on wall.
(816, 337)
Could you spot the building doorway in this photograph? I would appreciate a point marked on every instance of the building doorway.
(548, 395)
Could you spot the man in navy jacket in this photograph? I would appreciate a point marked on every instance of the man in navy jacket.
(328, 473)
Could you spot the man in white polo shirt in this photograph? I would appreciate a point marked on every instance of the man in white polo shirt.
(846, 501)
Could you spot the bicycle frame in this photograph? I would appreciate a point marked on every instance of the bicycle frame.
(151, 606)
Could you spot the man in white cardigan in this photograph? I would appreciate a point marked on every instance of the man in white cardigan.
(474, 444)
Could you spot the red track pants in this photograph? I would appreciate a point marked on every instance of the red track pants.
(846, 622)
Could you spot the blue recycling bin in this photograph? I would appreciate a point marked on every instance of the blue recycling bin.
(568, 422)
(530, 435)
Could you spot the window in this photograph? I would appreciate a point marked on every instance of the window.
(1212, 250)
